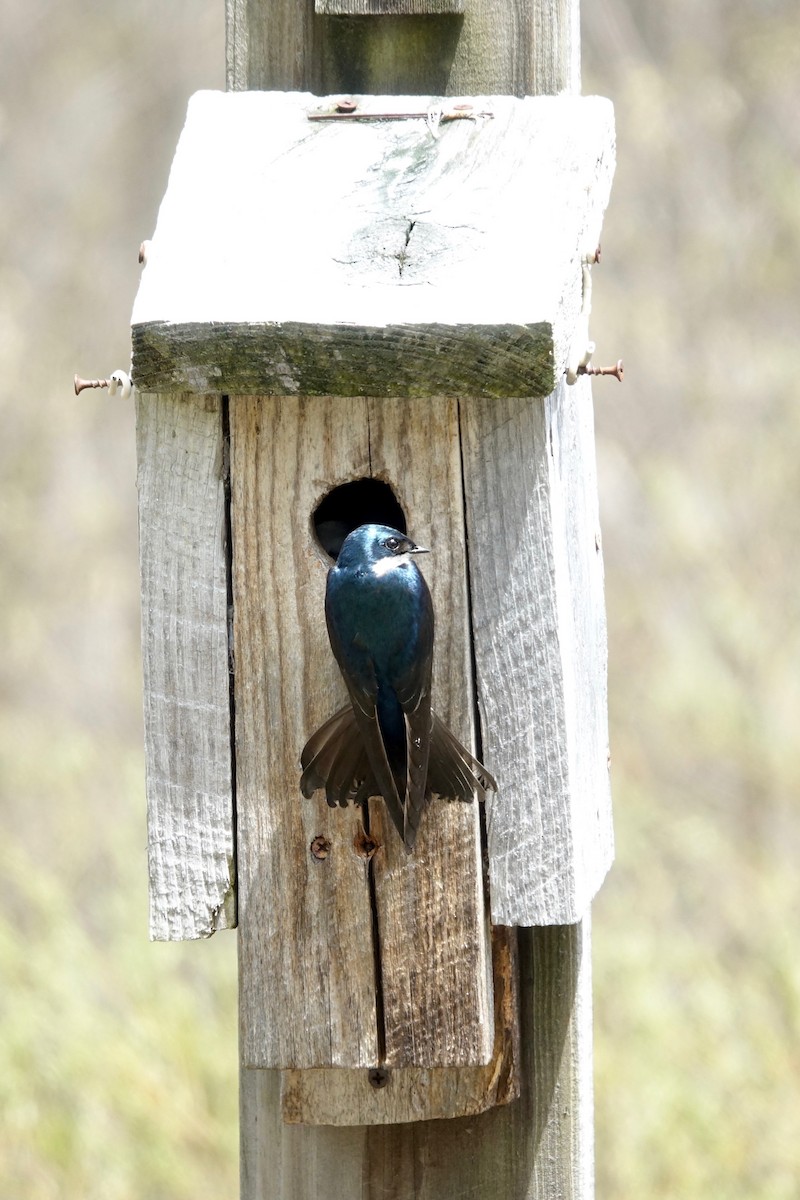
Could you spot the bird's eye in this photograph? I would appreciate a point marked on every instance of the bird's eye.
(392, 543)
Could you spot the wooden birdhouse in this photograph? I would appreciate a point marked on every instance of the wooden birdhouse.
(358, 313)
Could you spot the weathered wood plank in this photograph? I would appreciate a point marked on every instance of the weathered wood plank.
(185, 659)
(411, 1094)
(535, 1149)
(272, 45)
(498, 47)
(540, 648)
(306, 947)
(434, 936)
(321, 360)
(444, 264)
(307, 994)
(560, 1037)
(379, 8)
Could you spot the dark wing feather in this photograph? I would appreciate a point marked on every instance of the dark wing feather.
(454, 773)
(363, 691)
(366, 717)
(334, 758)
(413, 691)
(322, 748)
(350, 767)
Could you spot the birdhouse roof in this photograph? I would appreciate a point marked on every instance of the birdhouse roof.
(436, 254)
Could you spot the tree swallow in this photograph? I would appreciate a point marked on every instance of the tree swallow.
(387, 741)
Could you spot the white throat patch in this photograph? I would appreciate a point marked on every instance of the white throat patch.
(384, 565)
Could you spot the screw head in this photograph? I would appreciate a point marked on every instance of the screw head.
(320, 847)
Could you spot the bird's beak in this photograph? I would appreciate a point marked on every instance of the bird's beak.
(419, 550)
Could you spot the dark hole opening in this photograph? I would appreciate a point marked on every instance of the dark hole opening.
(359, 502)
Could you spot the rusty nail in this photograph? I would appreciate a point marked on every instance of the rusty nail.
(378, 1076)
(81, 384)
(320, 847)
(618, 371)
(346, 105)
(597, 253)
(143, 251)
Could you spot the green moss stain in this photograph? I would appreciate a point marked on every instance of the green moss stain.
(340, 360)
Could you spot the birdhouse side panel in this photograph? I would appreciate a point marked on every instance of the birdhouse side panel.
(185, 665)
(584, 641)
(548, 827)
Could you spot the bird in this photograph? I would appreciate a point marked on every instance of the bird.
(387, 741)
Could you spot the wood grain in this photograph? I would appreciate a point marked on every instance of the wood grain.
(507, 47)
(381, 8)
(307, 965)
(307, 995)
(185, 661)
(288, 358)
(418, 1094)
(433, 922)
(537, 1148)
(540, 649)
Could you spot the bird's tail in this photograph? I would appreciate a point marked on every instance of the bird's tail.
(334, 758)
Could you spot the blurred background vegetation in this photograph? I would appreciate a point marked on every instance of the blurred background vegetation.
(117, 1057)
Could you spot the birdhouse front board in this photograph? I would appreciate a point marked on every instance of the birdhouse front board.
(327, 303)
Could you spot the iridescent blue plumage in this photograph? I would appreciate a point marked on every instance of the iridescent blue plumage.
(388, 742)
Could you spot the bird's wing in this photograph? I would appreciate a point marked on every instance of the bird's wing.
(358, 671)
(413, 690)
(321, 749)
(418, 746)
(454, 773)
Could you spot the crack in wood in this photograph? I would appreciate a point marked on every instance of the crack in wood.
(402, 255)
(473, 666)
(380, 1010)
(228, 551)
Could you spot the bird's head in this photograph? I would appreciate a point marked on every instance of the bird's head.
(374, 544)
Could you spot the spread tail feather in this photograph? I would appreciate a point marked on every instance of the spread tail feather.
(334, 758)
(454, 773)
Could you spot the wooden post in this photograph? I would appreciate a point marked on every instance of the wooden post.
(540, 1146)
